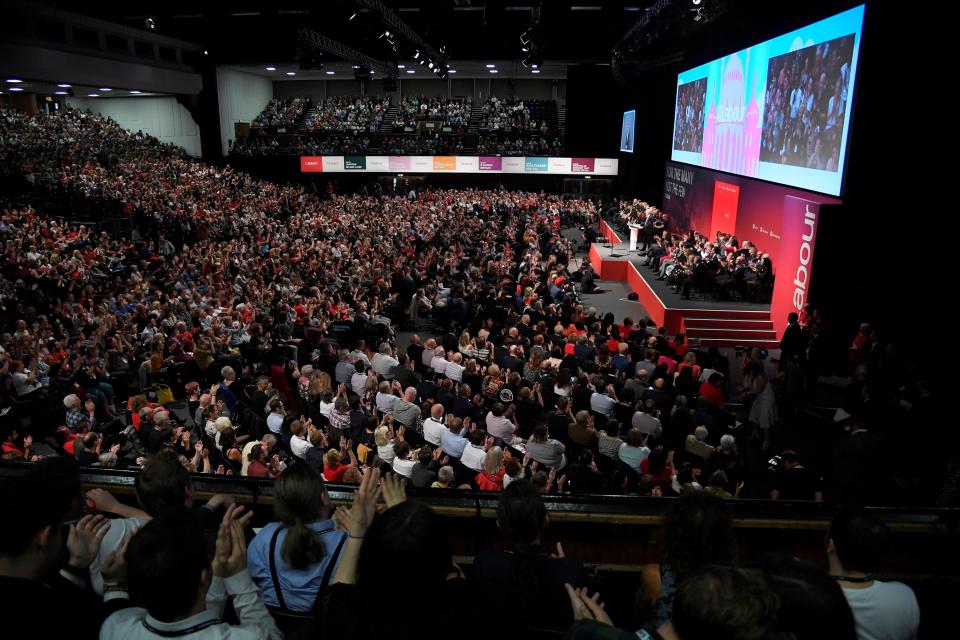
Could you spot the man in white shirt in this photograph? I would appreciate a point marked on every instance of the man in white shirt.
(454, 369)
(358, 381)
(475, 453)
(185, 595)
(300, 440)
(881, 610)
(402, 464)
(433, 426)
(439, 362)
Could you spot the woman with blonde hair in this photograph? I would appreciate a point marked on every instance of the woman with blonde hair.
(490, 387)
(466, 346)
(491, 478)
(383, 436)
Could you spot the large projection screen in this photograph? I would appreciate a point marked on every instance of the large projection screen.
(777, 111)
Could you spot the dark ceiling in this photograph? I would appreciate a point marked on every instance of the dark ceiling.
(574, 30)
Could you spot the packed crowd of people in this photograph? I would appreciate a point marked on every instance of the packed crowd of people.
(453, 112)
(532, 146)
(689, 260)
(806, 105)
(275, 312)
(427, 144)
(350, 144)
(348, 113)
(688, 128)
(512, 115)
(281, 112)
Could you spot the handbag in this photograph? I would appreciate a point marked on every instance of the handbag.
(163, 393)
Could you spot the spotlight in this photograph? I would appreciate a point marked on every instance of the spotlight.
(270, 68)
(150, 24)
(430, 65)
(16, 89)
(352, 16)
(64, 85)
(696, 2)
(422, 61)
(416, 55)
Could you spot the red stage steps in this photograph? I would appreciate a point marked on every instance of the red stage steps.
(713, 331)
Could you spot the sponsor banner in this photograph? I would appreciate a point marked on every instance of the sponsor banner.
(582, 165)
(491, 163)
(379, 164)
(513, 165)
(398, 163)
(355, 163)
(535, 165)
(460, 164)
(333, 164)
(606, 166)
(422, 164)
(558, 165)
(468, 164)
(311, 164)
(444, 163)
(798, 235)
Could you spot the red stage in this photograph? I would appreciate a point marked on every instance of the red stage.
(713, 323)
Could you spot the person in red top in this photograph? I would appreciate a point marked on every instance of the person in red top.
(690, 361)
(333, 467)
(260, 466)
(659, 464)
(491, 478)
(710, 389)
(679, 345)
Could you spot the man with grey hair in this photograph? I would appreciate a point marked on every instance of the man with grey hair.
(344, 369)
(696, 444)
(383, 361)
(444, 479)
(405, 409)
(74, 415)
(454, 369)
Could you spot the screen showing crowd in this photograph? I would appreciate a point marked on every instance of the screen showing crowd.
(778, 111)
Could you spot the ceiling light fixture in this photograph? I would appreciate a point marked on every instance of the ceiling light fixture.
(271, 68)
(64, 86)
(291, 73)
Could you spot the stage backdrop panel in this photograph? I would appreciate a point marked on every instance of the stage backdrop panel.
(766, 214)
